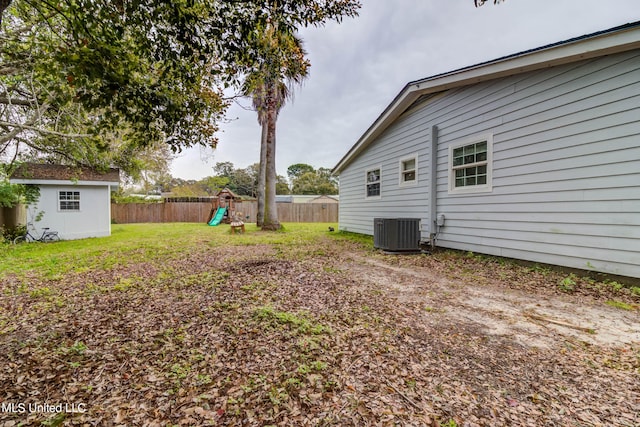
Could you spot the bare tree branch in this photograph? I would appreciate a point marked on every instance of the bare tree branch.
(10, 135)
(4, 99)
(44, 131)
(8, 71)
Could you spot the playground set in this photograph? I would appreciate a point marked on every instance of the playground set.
(223, 211)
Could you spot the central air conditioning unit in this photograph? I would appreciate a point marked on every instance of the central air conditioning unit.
(396, 234)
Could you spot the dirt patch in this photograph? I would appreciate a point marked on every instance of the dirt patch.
(529, 319)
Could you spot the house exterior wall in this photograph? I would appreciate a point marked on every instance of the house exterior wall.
(92, 220)
(407, 138)
(566, 167)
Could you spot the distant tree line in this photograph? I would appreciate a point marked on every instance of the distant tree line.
(307, 180)
(302, 179)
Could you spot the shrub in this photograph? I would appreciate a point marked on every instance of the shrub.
(9, 234)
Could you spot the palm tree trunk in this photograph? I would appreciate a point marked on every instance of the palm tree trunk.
(262, 172)
(271, 212)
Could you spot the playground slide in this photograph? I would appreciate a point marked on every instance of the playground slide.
(217, 218)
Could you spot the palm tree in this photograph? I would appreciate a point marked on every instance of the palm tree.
(282, 64)
(260, 105)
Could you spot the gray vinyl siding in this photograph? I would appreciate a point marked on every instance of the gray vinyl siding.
(566, 166)
(407, 137)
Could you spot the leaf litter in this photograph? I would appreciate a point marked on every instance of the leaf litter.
(334, 335)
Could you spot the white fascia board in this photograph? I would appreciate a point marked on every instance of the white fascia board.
(538, 59)
(581, 49)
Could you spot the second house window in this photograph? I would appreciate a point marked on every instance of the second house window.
(408, 171)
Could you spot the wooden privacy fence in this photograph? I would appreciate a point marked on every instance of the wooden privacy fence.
(307, 212)
(126, 213)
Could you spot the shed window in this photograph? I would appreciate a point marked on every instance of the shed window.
(470, 166)
(408, 171)
(373, 183)
(69, 200)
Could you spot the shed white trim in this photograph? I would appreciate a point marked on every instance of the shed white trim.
(63, 182)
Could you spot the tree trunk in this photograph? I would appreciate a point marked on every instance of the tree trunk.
(262, 175)
(271, 211)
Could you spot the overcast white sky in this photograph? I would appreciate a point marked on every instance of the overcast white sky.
(360, 65)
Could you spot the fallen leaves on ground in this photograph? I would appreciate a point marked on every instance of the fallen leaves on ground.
(287, 336)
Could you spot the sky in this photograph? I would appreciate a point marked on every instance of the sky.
(361, 64)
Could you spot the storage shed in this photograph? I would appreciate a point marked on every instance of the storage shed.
(74, 201)
(534, 156)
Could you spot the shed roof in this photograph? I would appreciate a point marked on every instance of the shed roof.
(606, 42)
(48, 172)
(323, 197)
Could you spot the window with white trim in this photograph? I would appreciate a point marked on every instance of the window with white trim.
(373, 183)
(470, 166)
(69, 200)
(408, 171)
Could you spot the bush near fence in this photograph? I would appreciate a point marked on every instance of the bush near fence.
(126, 213)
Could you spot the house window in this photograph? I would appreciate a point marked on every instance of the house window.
(373, 183)
(69, 200)
(408, 171)
(470, 166)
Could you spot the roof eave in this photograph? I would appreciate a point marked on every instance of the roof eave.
(575, 50)
(64, 182)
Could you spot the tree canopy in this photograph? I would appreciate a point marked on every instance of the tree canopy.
(82, 79)
(307, 180)
(296, 170)
(92, 81)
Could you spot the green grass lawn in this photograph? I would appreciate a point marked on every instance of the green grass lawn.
(143, 242)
